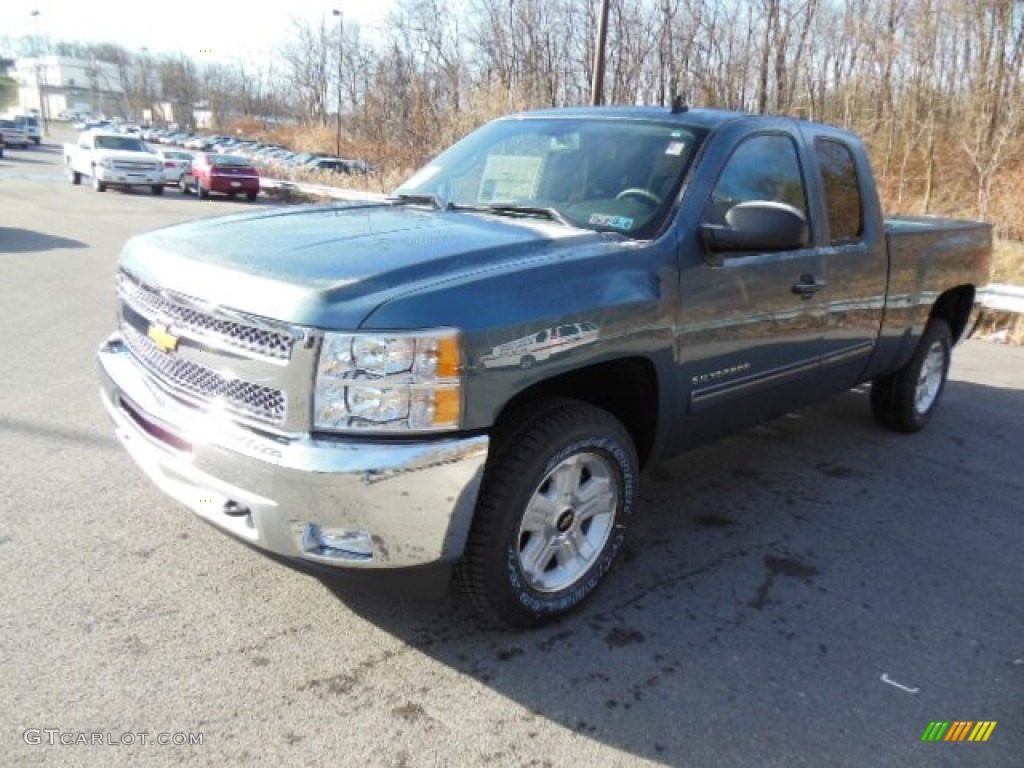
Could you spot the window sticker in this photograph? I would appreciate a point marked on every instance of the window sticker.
(675, 148)
(616, 222)
(510, 177)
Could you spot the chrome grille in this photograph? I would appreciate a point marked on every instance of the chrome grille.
(238, 395)
(227, 334)
(134, 165)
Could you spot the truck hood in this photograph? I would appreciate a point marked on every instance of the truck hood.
(121, 154)
(330, 266)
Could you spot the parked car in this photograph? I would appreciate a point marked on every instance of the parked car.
(324, 399)
(13, 134)
(177, 139)
(199, 143)
(304, 157)
(227, 145)
(30, 124)
(268, 149)
(329, 165)
(224, 174)
(243, 148)
(176, 164)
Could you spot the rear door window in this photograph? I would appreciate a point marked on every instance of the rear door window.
(842, 192)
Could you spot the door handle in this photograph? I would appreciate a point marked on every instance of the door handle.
(808, 286)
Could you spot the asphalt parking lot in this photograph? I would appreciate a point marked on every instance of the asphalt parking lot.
(813, 592)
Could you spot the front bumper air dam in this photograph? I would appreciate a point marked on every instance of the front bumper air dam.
(381, 504)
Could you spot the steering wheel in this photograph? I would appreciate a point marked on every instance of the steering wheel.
(644, 194)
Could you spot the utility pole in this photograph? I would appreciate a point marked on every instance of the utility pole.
(341, 39)
(597, 85)
(41, 75)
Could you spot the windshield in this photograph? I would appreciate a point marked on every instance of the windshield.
(603, 174)
(126, 143)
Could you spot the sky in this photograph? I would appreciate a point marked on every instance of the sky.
(220, 30)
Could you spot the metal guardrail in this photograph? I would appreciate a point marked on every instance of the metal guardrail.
(1003, 298)
(319, 190)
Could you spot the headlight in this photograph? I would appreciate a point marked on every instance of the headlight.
(388, 382)
(106, 163)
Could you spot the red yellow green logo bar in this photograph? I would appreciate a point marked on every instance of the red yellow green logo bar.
(959, 730)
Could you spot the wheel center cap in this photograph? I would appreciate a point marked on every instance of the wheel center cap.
(565, 520)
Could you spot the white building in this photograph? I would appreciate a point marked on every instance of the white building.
(55, 84)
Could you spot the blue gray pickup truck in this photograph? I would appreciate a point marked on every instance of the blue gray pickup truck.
(472, 373)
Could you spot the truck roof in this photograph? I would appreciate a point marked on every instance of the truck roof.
(694, 116)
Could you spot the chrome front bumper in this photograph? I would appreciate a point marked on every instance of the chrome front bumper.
(384, 505)
(117, 176)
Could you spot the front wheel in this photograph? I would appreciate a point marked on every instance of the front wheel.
(250, 196)
(906, 399)
(98, 185)
(552, 515)
(158, 189)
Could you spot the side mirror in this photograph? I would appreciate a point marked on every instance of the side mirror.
(758, 225)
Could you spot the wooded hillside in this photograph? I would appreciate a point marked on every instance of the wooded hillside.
(933, 85)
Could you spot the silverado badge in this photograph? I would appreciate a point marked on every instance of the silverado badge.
(164, 339)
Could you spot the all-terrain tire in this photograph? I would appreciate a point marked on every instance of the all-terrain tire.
(906, 400)
(556, 499)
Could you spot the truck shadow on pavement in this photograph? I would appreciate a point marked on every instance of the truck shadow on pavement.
(14, 240)
(770, 581)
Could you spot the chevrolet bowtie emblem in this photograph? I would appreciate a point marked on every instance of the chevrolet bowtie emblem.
(164, 339)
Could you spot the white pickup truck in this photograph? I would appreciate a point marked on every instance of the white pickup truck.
(113, 160)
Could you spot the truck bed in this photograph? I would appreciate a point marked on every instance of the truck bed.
(930, 254)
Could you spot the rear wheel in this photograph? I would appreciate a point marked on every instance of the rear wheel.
(201, 192)
(906, 400)
(250, 196)
(158, 189)
(552, 514)
(183, 186)
(74, 176)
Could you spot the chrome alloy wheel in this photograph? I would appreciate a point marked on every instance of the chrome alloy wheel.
(567, 522)
(929, 382)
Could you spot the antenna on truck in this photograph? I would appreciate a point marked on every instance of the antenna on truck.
(679, 105)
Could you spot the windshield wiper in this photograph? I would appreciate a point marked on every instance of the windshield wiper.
(422, 199)
(551, 214)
